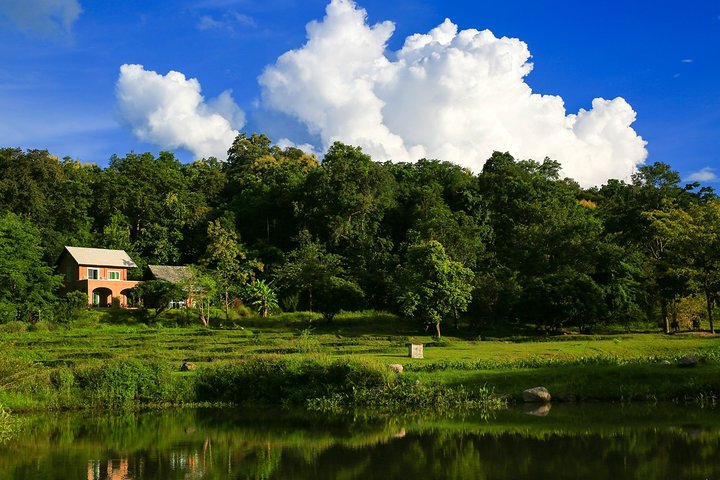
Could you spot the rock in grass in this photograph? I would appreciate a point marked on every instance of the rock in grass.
(396, 367)
(688, 360)
(665, 362)
(187, 367)
(536, 395)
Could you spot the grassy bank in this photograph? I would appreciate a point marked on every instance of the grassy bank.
(297, 360)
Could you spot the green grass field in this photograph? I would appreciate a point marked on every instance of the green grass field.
(608, 367)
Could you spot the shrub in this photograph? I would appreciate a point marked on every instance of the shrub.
(122, 383)
(280, 381)
(40, 326)
(14, 327)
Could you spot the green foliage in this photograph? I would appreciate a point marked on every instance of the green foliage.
(290, 302)
(337, 235)
(432, 287)
(279, 381)
(26, 284)
(157, 294)
(71, 307)
(121, 383)
(263, 297)
(308, 267)
(8, 426)
(336, 294)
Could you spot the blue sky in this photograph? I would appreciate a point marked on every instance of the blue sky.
(61, 63)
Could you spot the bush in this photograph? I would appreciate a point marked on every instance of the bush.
(14, 327)
(41, 326)
(281, 381)
(122, 383)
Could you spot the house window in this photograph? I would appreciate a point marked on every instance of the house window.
(114, 275)
(93, 273)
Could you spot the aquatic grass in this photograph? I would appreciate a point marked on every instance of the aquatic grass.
(9, 425)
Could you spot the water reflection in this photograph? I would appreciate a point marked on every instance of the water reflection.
(581, 441)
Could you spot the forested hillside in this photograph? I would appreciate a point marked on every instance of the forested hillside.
(431, 240)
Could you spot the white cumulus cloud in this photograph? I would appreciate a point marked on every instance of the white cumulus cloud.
(42, 17)
(447, 94)
(706, 174)
(169, 110)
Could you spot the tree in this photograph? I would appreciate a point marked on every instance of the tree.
(158, 294)
(70, 306)
(309, 267)
(337, 294)
(565, 297)
(228, 259)
(263, 297)
(201, 286)
(431, 286)
(687, 241)
(26, 284)
(264, 183)
(669, 272)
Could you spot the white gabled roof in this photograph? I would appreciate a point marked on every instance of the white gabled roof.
(101, 257)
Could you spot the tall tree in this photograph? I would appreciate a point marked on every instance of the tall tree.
(27, 284)
(309, 267)
(229, 261)
(431, 286)
(689, 243)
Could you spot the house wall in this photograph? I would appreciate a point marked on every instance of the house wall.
(76, 279)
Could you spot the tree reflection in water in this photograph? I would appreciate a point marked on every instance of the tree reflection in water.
(588, 442)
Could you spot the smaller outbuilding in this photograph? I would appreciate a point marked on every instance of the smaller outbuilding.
(177, 274)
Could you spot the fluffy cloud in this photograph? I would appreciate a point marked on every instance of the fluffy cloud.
(448, 94)
(168, 110)
(706, 174)
(42, 17)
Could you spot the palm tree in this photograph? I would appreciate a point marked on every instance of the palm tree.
(263, 297)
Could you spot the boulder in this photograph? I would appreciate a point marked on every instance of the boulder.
(187, 367)
(536, 395)
(396, 367)
(665, 362)
(688, 360)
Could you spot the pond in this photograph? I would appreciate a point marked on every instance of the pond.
(568, 441)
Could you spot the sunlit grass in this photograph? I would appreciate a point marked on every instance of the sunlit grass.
(623, 366)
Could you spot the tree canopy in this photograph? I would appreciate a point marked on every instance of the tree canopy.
(431, 240)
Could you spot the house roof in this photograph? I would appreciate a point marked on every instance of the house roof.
(169, 273)
(100, 257)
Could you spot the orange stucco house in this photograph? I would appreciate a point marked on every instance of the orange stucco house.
(99, 272)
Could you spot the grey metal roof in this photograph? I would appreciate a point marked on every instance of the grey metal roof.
(100, 257)
(170, 273)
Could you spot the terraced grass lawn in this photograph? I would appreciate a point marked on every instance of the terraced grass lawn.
(625, 366)
(381, 338)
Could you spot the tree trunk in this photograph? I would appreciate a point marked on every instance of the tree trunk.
(227, 306)
(437, 327)
(708, 298)
(310, 299)
(664, 312)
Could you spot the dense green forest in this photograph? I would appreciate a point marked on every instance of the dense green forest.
(277, 228)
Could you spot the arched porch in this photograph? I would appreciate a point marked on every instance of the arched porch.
(101, 297)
